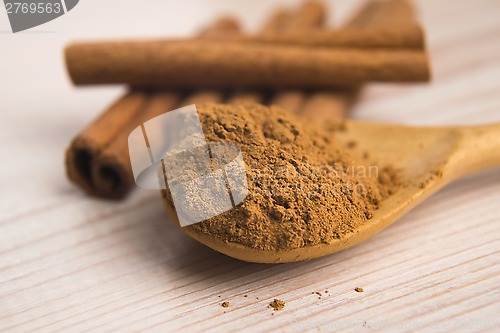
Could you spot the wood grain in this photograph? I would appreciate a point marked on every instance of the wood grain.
(69, 263)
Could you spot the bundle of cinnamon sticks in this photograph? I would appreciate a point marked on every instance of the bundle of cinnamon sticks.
(292, 53)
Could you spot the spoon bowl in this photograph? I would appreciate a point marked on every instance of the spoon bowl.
(428, 158)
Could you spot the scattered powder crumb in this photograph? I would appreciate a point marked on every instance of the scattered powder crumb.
(359, 289)
(326, 291)
(225, 304)
(277, 304)
(245, 295)
(318, 293)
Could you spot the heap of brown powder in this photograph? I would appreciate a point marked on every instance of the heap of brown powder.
(304, 188)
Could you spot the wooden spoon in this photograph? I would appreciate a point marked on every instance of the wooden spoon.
(429, 158)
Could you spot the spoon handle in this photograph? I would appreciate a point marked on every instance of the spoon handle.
(479, 149)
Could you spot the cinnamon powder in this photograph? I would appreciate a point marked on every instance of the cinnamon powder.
(304, 187)
(277, 304)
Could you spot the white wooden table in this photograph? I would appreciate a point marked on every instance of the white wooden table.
(69, 263)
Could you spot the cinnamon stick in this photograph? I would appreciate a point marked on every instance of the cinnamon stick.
(274, 24)
(97, 160)
(409, 37)
(310, 15)
(291, 100)
(84, 150)
(112, 170)
(248, 96)
(224, 65)
(384, 14)
(203, 96)
(224, 26)
(389, 14)
(277, 22)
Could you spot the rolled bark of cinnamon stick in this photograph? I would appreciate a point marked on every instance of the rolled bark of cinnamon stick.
(277, 22)
(247, 96)
(225, 65)
(389, 14)
(384, 14)
(97, 160)
(310, 15)
(112, 171)
(86, 148)
(410, 37)
(203, 96)
(223, 26)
